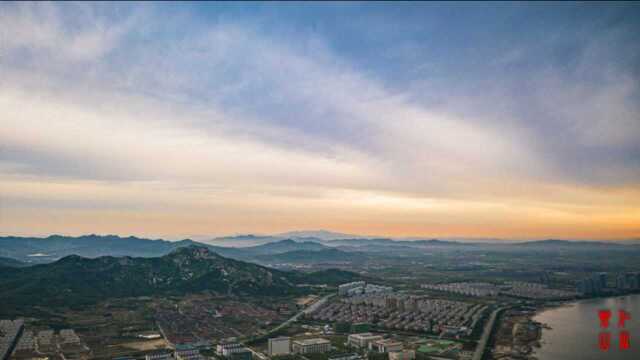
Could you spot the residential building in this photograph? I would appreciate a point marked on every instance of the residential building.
(586, 286)
(187, 354)
(344, 289)
(27, 342)
(391, 303)
(597, 285)
(228, 348)
(372, 289)
(631, 280)
(68, 336)
(411, 304)
(160, 355)
(602, 279)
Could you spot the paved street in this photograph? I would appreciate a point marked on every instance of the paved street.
(486, 334)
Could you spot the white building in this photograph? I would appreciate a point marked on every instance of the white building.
(188, 354)
(385, 345)
(226, 349)
(362, 340)
(357, 288)
(309, 346)
(279, 346)
(372, 289)
(351, 288)
(159, 356)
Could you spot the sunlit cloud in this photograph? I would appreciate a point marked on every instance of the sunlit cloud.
(124, 120)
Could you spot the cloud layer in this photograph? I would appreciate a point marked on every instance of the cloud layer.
(210, 119)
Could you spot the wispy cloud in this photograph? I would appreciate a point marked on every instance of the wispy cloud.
(71, 32)
(223, 116)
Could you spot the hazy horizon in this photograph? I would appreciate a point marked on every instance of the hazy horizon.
(398, 120)
(222, 238)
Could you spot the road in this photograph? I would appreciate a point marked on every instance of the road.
(294, 318)
(257, 354)
(486, 334)
(308, 310)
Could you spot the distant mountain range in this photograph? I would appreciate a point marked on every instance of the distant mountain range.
(271, 248)
(74, 280)
(284, 246)
(51, 248)
(54, 247)
(629, 242)
(251, 239)
(317, 234)
(247, 237)
(242, 240)
(44, 250)
(571, 244)
(391, 242)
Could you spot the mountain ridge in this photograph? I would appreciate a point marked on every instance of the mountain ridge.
(559, 242)
(76, 280)
(47, 249)
(321, 234)
(53, 247)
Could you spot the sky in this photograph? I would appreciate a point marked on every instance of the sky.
(494, 120)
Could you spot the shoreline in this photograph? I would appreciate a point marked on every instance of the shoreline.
(528, 340)
(563, 303)
(541, 326)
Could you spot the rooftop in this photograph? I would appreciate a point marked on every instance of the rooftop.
(365, 335)
(280, 338)
(388, 342)
(316, 341)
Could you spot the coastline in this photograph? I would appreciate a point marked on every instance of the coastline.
(539, 343)
(524, 335)
(568, 303)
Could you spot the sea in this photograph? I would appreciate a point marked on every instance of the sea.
(575, 328)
